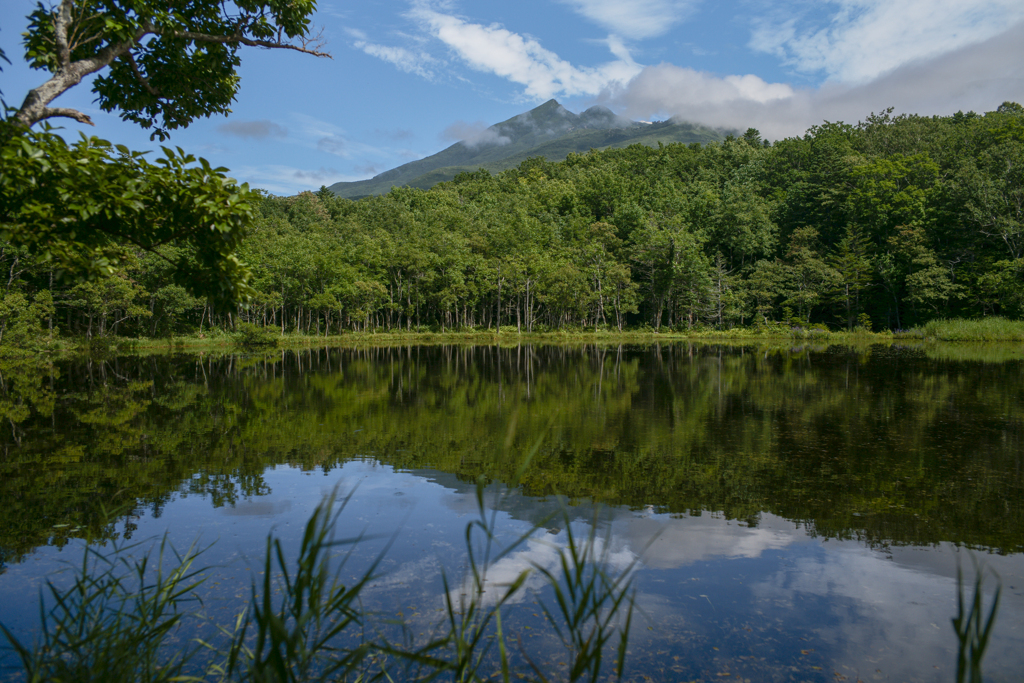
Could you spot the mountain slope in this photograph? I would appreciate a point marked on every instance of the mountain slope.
(550, 131)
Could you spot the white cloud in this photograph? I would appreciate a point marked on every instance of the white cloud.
(406, 60)
(332, 144)
(975, 77)
(327, 137)
(867, 38)
(474, 134)
(636, 19)
(320, 175)
(396, 134)
(521, 59)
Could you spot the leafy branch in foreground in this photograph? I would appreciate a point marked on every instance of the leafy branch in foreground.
(82, 207)
(164, 64)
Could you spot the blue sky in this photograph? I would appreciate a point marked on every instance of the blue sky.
(410, 77)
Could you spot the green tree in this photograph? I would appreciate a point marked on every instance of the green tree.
(809, 275)
(854, 272)
(929, 284)
(167, 63)
(913, 275)
(109, 302)
(765, 287)
(81, 208)
(160, 65)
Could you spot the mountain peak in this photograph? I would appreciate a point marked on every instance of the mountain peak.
(548, 130)
(549, 111)
(550, 105)
(603, 118)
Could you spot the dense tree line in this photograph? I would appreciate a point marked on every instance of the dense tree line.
(883, 224)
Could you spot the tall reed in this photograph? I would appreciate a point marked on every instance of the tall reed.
(973, 628)
(116, 621)
(296, 638)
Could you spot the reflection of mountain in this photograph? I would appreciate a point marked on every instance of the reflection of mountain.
(549, 512)
(890, 450)
(550, 131)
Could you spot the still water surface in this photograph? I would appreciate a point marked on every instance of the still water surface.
(798, 513)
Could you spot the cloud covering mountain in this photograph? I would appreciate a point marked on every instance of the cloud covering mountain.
(976, 76)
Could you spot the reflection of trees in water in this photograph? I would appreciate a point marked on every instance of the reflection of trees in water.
(886, 446)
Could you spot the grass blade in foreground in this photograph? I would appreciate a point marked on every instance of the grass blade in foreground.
(112, 624)
(971, 634)
(297, 640)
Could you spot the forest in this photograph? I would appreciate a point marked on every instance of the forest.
(885, 224)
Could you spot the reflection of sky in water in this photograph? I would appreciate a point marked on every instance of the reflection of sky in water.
(715, 596)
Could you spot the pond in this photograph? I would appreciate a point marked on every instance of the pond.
(794, 512)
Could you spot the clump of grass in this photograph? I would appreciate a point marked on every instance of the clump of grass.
(116, 620)
(295, 639)
(592, 607)
(991, 328)
(589, 601)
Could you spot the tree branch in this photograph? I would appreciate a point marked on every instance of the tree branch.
(242, 40)
(138, 75)
(65, 112)
(60, 32)
(33, 108)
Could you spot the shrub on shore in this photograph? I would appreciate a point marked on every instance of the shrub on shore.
(992, 328)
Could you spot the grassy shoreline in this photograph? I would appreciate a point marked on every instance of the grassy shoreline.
(984, 330)
(956, 330)
(490, 337)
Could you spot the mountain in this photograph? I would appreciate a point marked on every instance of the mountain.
(550, 131)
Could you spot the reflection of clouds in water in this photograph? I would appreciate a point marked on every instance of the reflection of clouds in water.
(898, 613)
(668, 542)
(855, 603)
(862, 588)
(544, 553)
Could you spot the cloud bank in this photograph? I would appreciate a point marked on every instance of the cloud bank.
(975, 77)
(866, 38)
